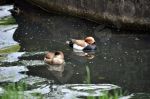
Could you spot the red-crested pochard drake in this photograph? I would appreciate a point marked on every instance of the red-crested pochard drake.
(88, 44)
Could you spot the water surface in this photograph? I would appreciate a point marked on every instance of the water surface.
(120, 61)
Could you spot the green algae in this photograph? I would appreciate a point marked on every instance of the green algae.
(7, 20)
(10, 49)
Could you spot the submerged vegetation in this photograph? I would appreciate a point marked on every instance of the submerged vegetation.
(10, 49)
(106, 95)
(14, 91)
(7, 20)
(88, 77)
(17, 91)
(115, 94)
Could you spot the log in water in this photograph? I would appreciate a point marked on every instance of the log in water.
(128, 14)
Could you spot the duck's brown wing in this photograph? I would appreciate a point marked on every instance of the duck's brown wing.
(79, 42)
(59, 55)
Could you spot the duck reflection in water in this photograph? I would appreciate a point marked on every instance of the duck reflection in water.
(57, 70)
(87, 54)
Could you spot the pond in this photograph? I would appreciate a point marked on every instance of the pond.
(121, 61)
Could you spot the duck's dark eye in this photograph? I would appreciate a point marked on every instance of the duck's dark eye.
(46, 57)
(57, 53)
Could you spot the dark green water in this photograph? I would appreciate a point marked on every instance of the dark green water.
(120, 61)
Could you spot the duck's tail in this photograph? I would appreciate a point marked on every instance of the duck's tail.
(70, 43)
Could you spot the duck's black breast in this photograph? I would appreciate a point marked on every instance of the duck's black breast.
(71, 44)
(90, 47)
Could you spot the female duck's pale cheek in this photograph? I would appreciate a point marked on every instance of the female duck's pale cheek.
(47, 60)
(58, 61)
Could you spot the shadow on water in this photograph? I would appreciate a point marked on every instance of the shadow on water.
(122, 57)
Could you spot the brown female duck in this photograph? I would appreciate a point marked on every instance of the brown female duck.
(54, 58)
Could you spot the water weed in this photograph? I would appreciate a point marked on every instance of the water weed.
(7, 20)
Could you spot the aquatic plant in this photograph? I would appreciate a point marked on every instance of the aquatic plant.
(88, 77)
(14, 91)
(106, 94)
(113, 95)
(10, 49)
(18, 91)
(7, 21)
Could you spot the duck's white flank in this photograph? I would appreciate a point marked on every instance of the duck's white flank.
(77, 47)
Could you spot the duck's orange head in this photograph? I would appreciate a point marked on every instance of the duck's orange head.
(90, 40)
(49, 55)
